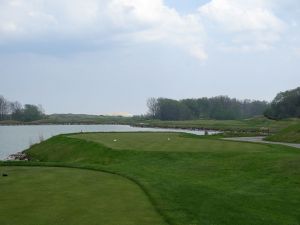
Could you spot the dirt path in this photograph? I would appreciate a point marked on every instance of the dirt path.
(260, 140)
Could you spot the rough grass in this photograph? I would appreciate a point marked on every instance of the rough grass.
(255, 124)
(205, 182)
(62, 196)
(290, 134)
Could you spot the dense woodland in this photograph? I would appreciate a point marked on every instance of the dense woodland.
(285, 105)
(16, 111)
(221, 107)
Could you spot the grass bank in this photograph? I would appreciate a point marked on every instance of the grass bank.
(290, 134)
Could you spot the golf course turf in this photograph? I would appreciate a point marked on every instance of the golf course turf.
(191, 180)
(47, 195)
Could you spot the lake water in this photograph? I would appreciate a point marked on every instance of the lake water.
(14, 139)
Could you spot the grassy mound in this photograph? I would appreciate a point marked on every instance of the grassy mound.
(290, 134)
(195, 180)
(163, 142)
(63, 196)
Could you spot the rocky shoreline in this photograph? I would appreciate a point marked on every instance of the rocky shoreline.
(19, 156)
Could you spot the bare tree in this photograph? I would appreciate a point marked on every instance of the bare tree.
(16, 110)
(4, 108)
(41, 109)
(153, 107)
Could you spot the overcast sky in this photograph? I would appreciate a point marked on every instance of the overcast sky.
(105, 56)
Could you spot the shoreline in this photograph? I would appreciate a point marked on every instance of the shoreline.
(232, 131)
(58, 123)
(19, 156)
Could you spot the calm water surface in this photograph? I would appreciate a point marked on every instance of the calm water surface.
(14, 139)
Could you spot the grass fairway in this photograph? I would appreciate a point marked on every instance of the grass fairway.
(166, 142)
(62, 196)
(193, 180)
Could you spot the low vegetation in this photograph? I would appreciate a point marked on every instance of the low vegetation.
(87, 119)
(191, 179)
(289, 134)
(255, 125)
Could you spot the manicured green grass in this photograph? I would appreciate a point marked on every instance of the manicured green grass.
(165, 142)
(62, 196)
(289, 134)
(190, 179)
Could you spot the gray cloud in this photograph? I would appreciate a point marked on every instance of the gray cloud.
(96, 21)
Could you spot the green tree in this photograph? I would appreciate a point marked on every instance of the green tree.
(169, 109)
(32, 113)
(220, 107)
(285, 104)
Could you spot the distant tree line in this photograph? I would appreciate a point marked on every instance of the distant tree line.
(220, 108)
(16, 111)
(285, 104)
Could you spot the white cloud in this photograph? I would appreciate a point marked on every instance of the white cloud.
(252, 24)
(94, 20)
(246, 25)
